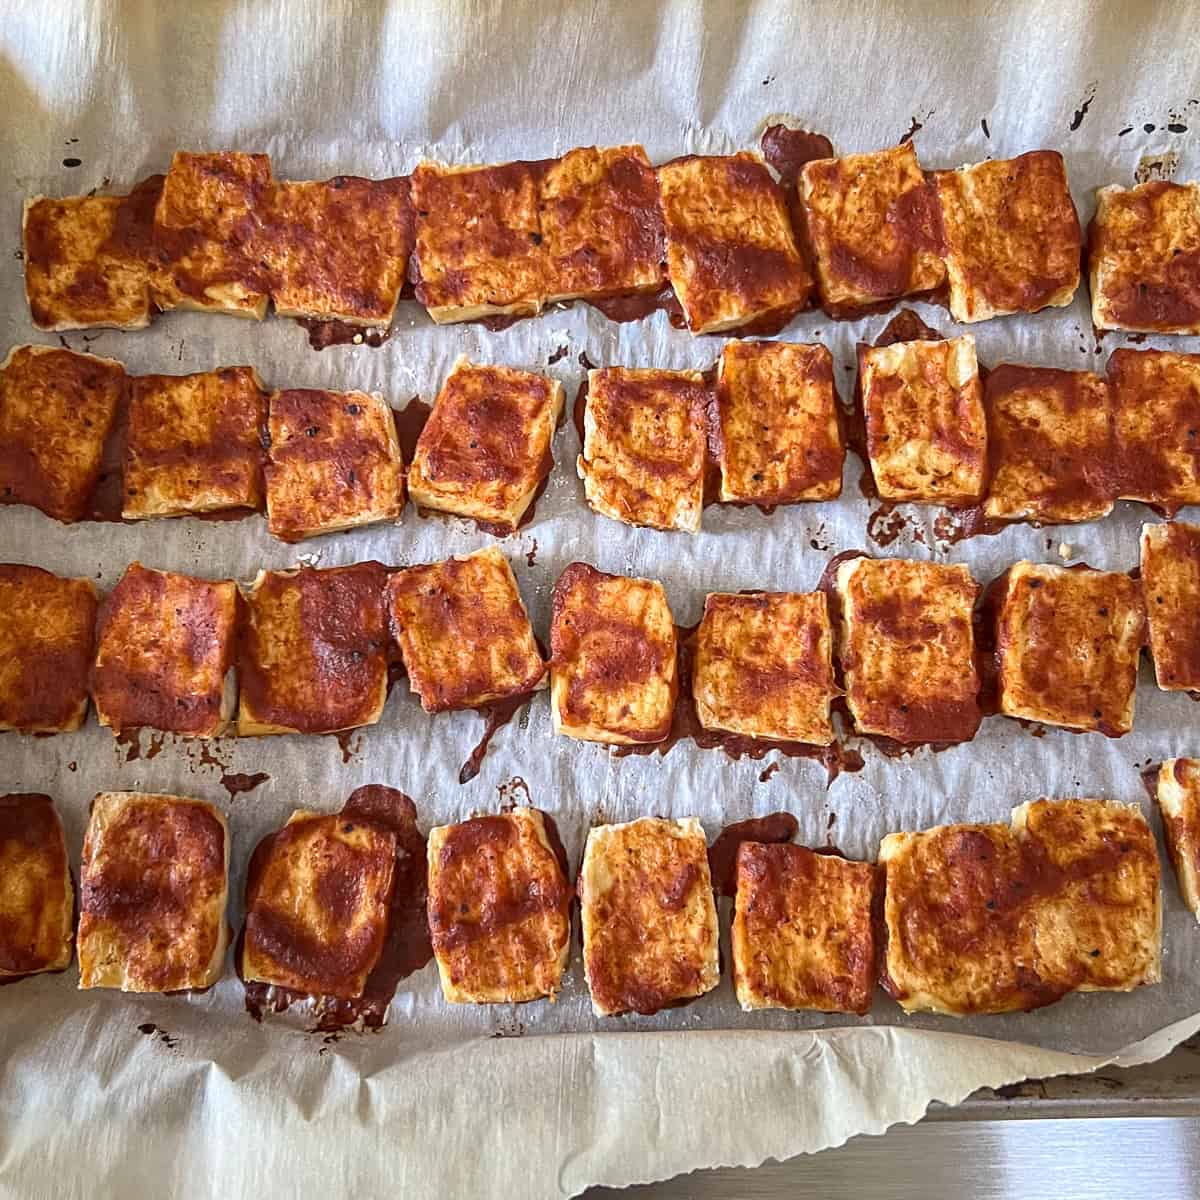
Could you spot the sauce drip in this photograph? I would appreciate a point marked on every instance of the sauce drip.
(322, 334)
(496, 715)
(722, 854)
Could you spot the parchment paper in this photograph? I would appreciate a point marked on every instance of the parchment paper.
(439, 1102)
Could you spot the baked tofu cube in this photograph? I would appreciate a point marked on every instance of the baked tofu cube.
(1067, 646)
(601, 224)
(1171, 593)
(644, 446)
(56, 411)
(164, 653)
(926, 429)
(463, 632)
(37, 897)
(334, 463)
(649, 920)
(194, 443)
(1178, 797)
(46, 627)
(1013, 241)
(778, 438)
(732, 256)
(907, 649)
(1143, 255)
(614, 674)
(801, 934)
(499, 909)
(873, 227)
(1050, 445)
(485, 449)
(312, 650)
(762, 666)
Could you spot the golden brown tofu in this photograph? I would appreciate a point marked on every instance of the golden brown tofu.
(614, 674)
(164, 653)
(46, 638)
(1067, 646)
(1050, 445)
(1171, 593)
(801, 935)
(37, 897)
(648, 916)
(334, 463)
(56, 411)
(312, 650)
(486, 447)
(153, 884)
(499, 909)
(873, 226)
(194, 443)
(1143, 258)
(926, 429)
(777, 436)
(1178, 797)
(1013, 241)
(644, 446)
(907, 648)
(762, 666)
(731, 252)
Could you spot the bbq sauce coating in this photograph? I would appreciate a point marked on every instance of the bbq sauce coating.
(1170, 579)
(1177, 793)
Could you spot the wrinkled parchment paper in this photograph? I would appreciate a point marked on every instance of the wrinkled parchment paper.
(453, 1101)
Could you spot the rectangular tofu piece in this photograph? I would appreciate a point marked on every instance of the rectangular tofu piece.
(1171, 592)
(499, 909)
(648, 916)
(762, 666)
(922, 403)
(907, 649)
(644, 438)
(732, 256)
(1067, 646)
(164, 653)
(153, 884)
(486, 447)
(46, 639)
(1143, 256)
(195, 443)
(778, 438)
(614, 674)
(1013, 242)
(1178, 797)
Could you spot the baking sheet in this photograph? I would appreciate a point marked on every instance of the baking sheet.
(545, 1099)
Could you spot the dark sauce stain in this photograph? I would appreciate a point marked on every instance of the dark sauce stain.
(235, 783)
(1148, 128)
(513, 792)
(531, 554)
(72, 162)
(347, 746)
(1082, 110)
(957, 525)
(496, 716)
(585, 362)
(152, 1030)
(323, 334)
(885, 524)
(409, 422)
(557, 356)
(768, 771)
(912, 131)
(787, 150)
(637, 306)
(984, 126)
(130, 739)
(1177, 127)
(1123, 132)
(722, 854)
(1149, 777)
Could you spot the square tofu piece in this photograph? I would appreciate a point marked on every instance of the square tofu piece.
(644, 445)
(312, 652)
(801, 935)
(37, 896)
(334, 463)
(208, 234)
(499, 909)
(1171, 592)
(164, 653)
(463, 632)
(1050, 445)
(46, 629)
(479, 240)
(908, 649)
(926, 428)
(873, 228)
(1013, 240)
(194, 443)
(485, 449)
(153, 884)
(56, 411)
(1067, 646)
(602, 227)
(777, 438)
(763, 666)
(339, 250)
(614, 674)
(648, 916)
(1156, 398)
(317, 898)
(1178, 796)
(1143, 255)
(731, 252)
